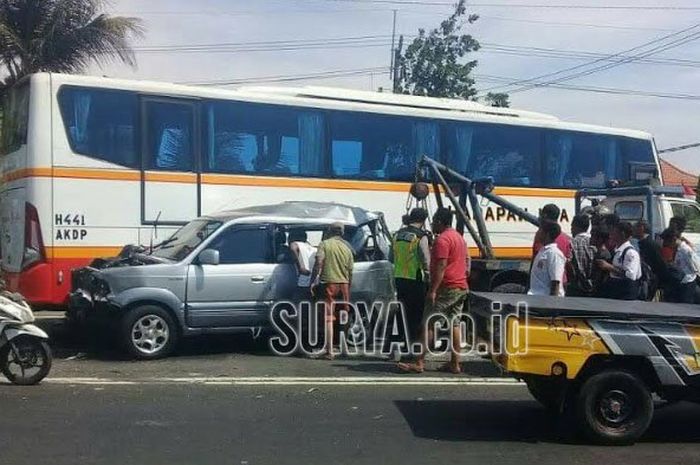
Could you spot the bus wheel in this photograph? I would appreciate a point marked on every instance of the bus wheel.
(614, 407)
(148, 332)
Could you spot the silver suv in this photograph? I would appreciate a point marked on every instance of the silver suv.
(222, 273)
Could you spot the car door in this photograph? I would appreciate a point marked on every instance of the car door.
(237, 291)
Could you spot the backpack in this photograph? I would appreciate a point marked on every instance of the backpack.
(647, 286)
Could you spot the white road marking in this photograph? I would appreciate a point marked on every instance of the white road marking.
(295, 381)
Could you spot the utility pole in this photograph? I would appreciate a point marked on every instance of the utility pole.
(393, 41)
(395, 77)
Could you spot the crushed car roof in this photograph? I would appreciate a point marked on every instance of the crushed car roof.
(298, 212)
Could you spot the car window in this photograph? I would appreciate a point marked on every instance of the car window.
(691, 213)
(630, 210)
(239, 246)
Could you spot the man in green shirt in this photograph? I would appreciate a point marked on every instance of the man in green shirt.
(334, 263)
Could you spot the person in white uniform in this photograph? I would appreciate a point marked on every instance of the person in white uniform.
(686, 265)
(547, 274)
(626, 267)
(305, 257)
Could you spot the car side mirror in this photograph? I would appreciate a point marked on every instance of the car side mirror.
(208, 257)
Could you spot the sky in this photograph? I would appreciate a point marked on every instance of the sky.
(605, 30)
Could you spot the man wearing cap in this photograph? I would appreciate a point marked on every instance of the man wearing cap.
(333, 270)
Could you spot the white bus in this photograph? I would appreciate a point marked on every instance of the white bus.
(91, 164)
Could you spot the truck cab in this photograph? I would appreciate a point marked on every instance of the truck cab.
(654, 204)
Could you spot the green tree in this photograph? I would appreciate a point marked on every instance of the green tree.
(61, 36)
(435, 63)
(497, 99)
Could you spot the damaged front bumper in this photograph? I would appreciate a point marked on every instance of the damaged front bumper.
(89, 301)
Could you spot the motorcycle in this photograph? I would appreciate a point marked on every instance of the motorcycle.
(25, 355)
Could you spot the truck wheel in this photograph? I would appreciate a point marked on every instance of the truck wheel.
(614, 407)
(547, 392)
(148, 332)
(510, 288)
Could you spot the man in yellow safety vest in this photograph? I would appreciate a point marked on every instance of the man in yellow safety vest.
(411, 257)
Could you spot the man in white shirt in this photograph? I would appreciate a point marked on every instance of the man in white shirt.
(547, 273)
(687, 268)
(626, 267)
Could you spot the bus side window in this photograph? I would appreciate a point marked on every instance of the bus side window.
(264, 139)
(510, 154)
(169, 136)
(100, 123)
(369, 146)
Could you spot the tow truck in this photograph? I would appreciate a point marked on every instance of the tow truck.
(645, 200)
(596, 362)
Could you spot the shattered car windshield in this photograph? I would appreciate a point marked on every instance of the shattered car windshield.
(186, 239)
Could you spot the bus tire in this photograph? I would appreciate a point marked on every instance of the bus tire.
(614, 407)
(148, 332)
(510, 288)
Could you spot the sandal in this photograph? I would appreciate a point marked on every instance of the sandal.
(409, 367)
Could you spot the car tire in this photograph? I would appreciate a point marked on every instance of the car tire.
(149, 332)
(510, 288)
(614, 407)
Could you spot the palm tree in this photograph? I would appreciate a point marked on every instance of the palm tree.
(61, 36)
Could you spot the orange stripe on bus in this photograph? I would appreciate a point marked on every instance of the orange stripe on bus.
(256, 181)
(182, 178)
(101, 174)
(82, 252)
(112, 251)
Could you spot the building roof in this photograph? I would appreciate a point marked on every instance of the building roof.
(675, 176)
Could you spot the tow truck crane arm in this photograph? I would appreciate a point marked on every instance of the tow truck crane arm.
(442, 177)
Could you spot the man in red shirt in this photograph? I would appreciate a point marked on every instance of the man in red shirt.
(551, 212)
(448, 288)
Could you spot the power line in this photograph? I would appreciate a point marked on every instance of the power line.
(323, 40)
(540, 52)
(384, 41)
(527, 5)
(526, 84)
(575, 24)
(596, 89)
(292, 77)
(622, 61)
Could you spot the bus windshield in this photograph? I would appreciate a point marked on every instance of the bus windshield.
(186, 239)
(16, 117)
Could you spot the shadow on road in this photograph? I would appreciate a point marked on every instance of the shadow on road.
(479, 368)
(526, 421)
(67, 344)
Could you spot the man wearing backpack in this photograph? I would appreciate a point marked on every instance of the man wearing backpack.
(625, 282)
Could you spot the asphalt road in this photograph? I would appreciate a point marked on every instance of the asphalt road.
(225, 401)
(304, 424)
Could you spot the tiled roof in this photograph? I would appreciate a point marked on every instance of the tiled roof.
(674, 176)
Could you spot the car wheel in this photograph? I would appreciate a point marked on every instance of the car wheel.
(510, 288)
(614, 407)
(149, 332)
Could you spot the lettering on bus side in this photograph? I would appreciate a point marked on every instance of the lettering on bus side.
(64, 233)
(501, 214)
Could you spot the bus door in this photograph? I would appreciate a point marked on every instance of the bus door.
(170, 191)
